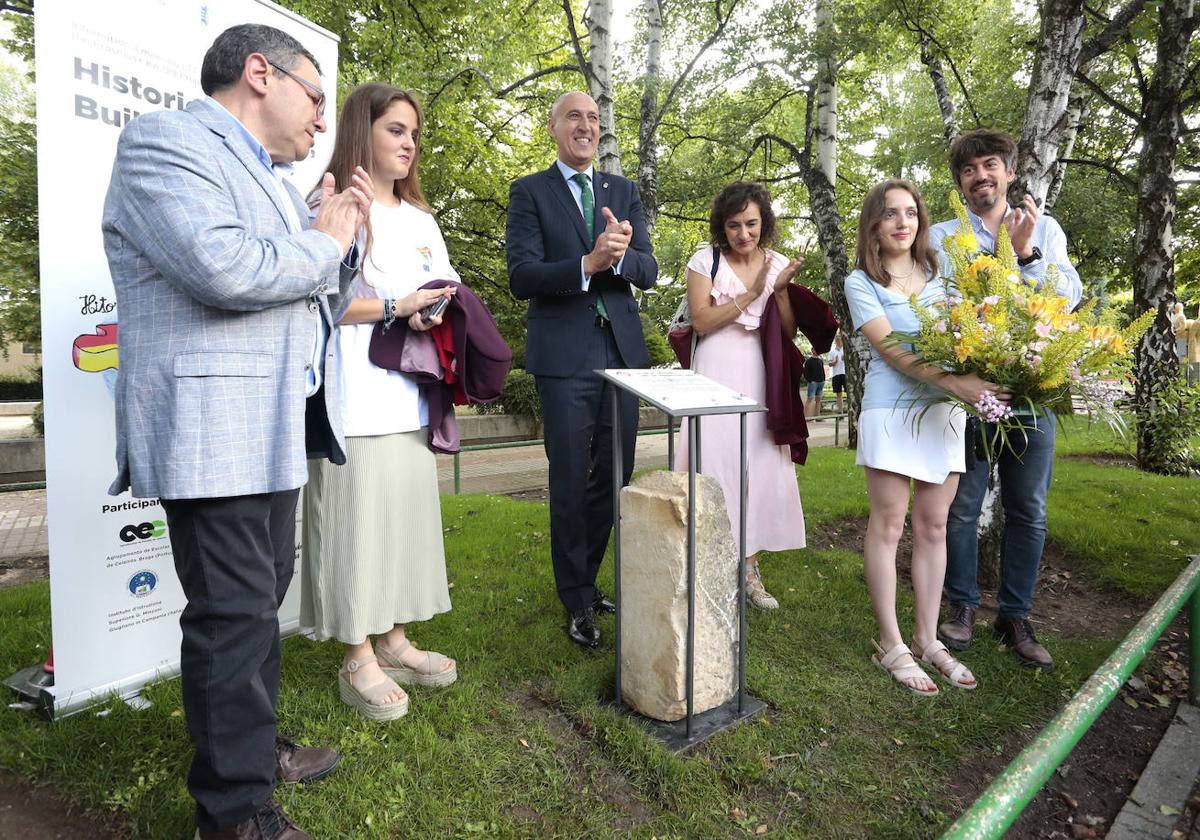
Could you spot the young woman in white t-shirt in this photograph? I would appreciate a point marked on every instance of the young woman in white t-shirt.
(373, 553)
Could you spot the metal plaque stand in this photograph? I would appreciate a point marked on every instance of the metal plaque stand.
(680, 394)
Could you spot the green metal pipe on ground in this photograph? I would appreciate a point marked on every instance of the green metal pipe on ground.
(1000, 805)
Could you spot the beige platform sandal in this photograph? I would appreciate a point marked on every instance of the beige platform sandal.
(902, 673)
(366, 698)
(948, 668)
(428, 673)
(756, 593)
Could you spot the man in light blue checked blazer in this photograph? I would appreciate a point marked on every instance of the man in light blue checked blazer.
(227, 293)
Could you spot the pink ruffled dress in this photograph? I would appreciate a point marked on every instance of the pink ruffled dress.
(733, 357)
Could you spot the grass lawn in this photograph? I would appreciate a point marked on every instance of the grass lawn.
(527, 745)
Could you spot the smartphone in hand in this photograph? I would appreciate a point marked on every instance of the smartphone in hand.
(434, 309)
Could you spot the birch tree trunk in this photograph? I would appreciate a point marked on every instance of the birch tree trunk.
(820, 178)
(647, 176)
(826, 125)
(1076, 106)
(599, 25)
(1060, 42)
(941, 91)
(1154, 273)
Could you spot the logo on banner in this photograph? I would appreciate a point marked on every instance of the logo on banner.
(144, 531)
(142, 584)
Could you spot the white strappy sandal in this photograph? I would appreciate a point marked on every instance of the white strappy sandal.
(903, 673)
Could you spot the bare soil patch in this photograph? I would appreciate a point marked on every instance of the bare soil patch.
(33, 813)
(573, 741)
(17, 570)
(1065, 604)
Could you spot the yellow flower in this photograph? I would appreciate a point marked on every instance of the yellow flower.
(962, 351)
(982, 265)
(966, 241)
(1102, 334)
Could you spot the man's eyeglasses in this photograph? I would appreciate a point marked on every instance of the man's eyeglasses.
(318, 101)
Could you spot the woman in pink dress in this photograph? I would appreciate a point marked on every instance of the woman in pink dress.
(726, 309)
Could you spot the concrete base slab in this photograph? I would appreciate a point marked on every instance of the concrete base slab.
(1165, 783)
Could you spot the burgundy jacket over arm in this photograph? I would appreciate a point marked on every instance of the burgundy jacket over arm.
(785, 364)
(481, 361)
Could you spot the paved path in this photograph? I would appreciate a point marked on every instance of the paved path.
(520, 469)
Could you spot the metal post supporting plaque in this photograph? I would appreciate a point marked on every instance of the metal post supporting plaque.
(685, 394)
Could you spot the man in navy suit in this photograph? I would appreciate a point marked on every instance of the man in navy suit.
(576, 240)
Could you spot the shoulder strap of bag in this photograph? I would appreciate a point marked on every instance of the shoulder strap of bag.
(712, 275)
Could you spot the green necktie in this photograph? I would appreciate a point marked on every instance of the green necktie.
(589, 219)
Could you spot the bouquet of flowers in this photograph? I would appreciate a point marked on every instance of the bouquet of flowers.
(1000, 327)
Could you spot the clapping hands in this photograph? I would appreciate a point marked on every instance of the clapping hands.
(342, 213)
(611, 245)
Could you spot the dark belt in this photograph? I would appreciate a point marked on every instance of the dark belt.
(601, 321)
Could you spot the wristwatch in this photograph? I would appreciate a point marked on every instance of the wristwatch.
(1034, 255)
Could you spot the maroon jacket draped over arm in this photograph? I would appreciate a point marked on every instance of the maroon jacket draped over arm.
(785, 364)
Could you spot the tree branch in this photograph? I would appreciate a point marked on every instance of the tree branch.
(1107, 97)
(499, 93)
(1111, 168)
(584, 67)
(1103, 40)
(669, 99)
(912, 25)
(19, 8)
(545, 71)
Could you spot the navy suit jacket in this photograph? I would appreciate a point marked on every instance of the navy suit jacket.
(546, 238)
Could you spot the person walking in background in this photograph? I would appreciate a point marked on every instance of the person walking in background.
(576, 243)
(814, 376)
(909, 438)
(983, 163)
(730, 285)
(837, 371)
(373, 554)
(227, 293)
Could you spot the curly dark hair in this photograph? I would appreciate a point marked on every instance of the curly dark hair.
(735, 198)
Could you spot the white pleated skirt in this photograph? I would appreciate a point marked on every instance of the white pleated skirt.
(372, 554)
(928, 450)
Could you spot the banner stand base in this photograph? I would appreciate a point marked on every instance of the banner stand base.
(673, 734)
(30, 685)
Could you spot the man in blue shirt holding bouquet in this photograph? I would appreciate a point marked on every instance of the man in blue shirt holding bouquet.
(983, 163)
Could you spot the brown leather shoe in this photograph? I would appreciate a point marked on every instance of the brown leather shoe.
(270, 823)
(956, 633)
(294, 763)
(1017, 634)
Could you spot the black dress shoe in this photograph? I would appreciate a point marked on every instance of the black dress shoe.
(581, 629)
(601, 604)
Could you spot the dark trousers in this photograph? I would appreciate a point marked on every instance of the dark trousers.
(234, 558)
(1024, 481)
(577, 422)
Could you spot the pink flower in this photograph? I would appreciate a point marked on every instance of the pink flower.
(1043, 329)
(992, 300)
(940, 326)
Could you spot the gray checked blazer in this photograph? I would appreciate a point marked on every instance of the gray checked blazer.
(217, 306)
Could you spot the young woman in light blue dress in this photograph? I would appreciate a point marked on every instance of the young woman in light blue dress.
(908, 435)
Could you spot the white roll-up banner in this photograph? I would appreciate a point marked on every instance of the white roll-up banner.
(115, 599)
